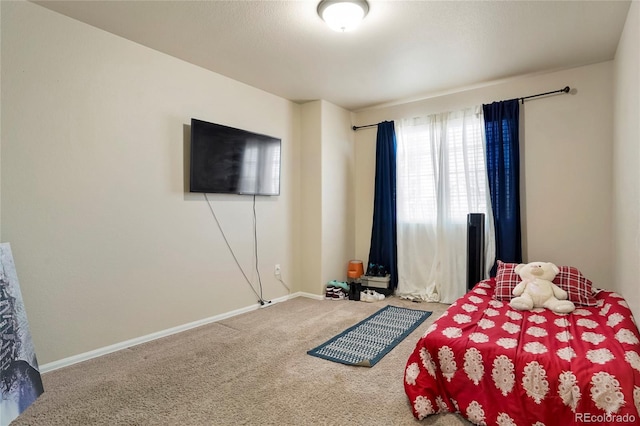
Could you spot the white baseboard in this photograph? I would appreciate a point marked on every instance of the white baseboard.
(309, 295)
(65, 362)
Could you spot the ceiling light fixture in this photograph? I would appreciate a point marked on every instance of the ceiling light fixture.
(343, 15)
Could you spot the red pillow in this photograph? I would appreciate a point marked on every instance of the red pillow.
(579, 288)
(570, 279)
(506, 281)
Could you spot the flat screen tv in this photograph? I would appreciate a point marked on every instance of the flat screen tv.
(225, 160)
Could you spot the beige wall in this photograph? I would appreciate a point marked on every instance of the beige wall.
(311, 197)
(107, 244)
(338, 214)
(566, 164)
(327, 204)
(626, 162)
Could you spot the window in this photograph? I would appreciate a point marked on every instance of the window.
(441, 167)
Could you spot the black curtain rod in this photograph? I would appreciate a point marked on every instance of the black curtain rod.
(565, 90)
(354, 128)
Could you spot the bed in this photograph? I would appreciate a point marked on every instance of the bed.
(498, 366)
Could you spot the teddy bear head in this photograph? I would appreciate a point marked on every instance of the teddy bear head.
(542, 270)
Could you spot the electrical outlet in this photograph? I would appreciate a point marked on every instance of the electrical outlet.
(276, 270)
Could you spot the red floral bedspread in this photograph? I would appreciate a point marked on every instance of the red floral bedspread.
(498, 366)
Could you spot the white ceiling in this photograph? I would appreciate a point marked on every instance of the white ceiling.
(402, 50)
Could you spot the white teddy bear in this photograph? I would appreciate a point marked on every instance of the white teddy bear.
(536, 290)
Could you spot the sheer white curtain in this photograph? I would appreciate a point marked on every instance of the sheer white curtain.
(441, 177)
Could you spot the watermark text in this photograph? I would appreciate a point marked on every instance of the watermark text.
(605, 418)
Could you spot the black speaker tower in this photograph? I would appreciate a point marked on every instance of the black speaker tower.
(475, 249)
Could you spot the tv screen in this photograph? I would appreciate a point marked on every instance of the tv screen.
(225, 160)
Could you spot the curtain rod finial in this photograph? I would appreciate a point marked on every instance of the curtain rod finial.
(566, 89)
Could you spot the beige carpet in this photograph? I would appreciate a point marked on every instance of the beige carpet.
(251, 369)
